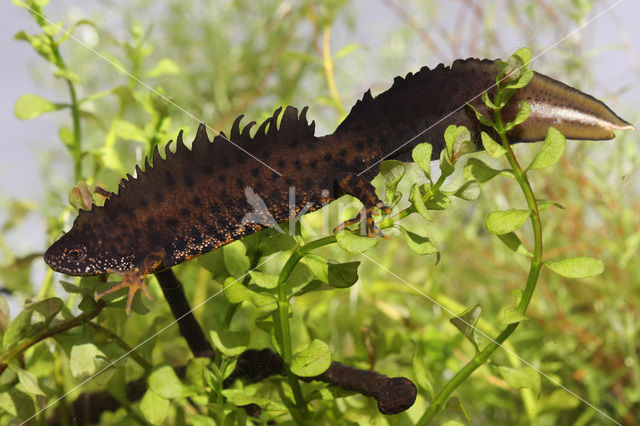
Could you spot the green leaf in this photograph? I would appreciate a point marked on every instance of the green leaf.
(312, 361)
(235, 258)
(545, 204)
(299, 277)
(417, 243)
(129, 131)
(423, 377)
(342, 275)
(31, 106)
(512, 241)
(230, 343)
(40, 43)
(480, 171)
(421, 155)
(48, 308)
(503, 222)
(415, 197)
(29, 382)
(469, 191)
(446, 166)
(481, 117)
(521, 117)
(523, 377)
(455, 405)
(65, 36)
(68, 75)
(493, 148)
(523, 54)
(466, 322)
(551, 151)
(235, 292)
(488, 102)
(438, 201)
(318, 266)
(82, 360)
(512, 316)
(164, 382)
(81, 196)
(354, 243)
(17, 404)
(458, 141)
(154, 407)
(392, 171)
(523, 80)
(165, 66)
(576, 267)
(264, 280)
(346, 49)
(4, 315)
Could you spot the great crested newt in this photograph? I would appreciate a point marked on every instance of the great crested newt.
(193, 200)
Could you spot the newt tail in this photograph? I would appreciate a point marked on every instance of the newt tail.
(195, 200)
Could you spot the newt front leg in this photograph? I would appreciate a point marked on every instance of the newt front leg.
(362, 189)
(134, 279)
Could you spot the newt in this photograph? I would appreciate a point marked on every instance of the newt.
(194, 200)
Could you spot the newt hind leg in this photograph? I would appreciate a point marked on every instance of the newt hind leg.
(134, 279)
(362, 189)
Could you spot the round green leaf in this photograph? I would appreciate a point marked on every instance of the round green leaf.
(503, 222)
(230, 343)
(30, 106)
(154, 407)
(165, 66)
(415, 197)
(82, 360)
(355, 243)
(312, 361)
(29, 382)
(525, 377)
(493, 148)
(470, 191)
(421, 155)
(342, 275)
(576, 267)
(552, 150)
(418, 243)
(235, 258)
(264, 280)
(164, 382)
(480, 171)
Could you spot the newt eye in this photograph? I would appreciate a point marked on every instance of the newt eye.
(76, 254)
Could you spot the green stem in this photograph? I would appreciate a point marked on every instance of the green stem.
(327, 63)
(285, 333)
(76, 148)
(534, 271)
(66, 325)
(128, 349)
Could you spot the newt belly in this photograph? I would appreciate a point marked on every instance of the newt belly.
(195, 200)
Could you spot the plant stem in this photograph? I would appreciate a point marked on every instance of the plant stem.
(285, 332)
(327, 62)
(128, 349)
(66, 325)
(76, 148)
(534, 271)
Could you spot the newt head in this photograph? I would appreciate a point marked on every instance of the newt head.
(77, 254)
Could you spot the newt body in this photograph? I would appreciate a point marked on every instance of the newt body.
(194, 201)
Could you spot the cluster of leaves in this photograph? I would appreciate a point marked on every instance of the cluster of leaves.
(284, 303)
